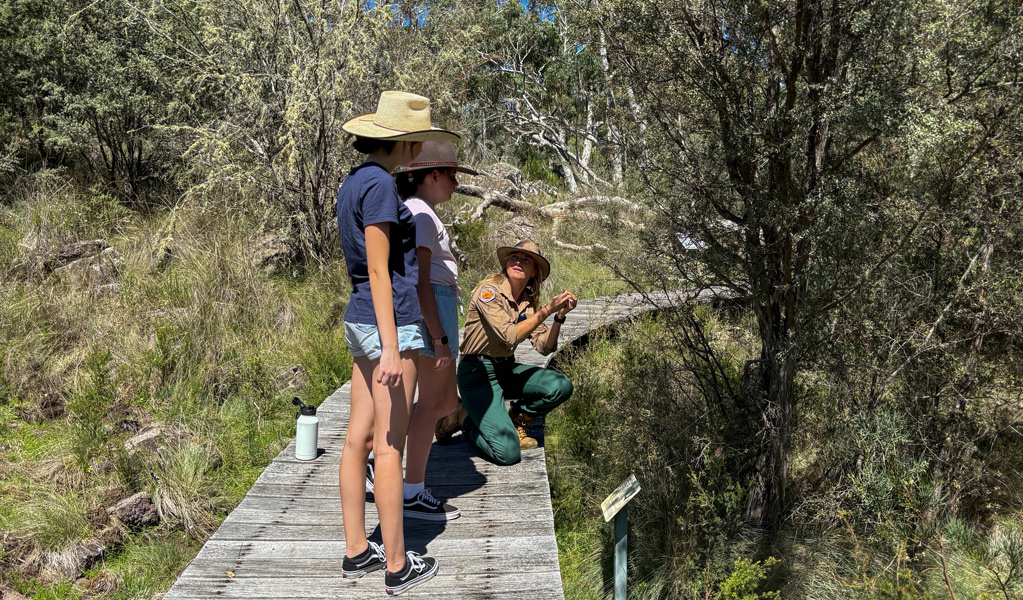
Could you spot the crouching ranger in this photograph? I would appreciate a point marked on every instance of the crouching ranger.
(504, 311)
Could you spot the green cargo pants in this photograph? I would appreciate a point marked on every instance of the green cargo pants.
(483, 384)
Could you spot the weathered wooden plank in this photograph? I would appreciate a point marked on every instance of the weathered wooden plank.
(444, 459)
(456, 562)
(300, 550)
(459, 592)
(536, 584)
(464, 471)
(497, 526)
(471, 509)
(296, 506)
(441, 489)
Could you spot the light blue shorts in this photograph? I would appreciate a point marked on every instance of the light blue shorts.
(447, 308)
(364, 340)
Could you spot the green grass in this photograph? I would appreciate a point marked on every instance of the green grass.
(54, 520)
(148, 565)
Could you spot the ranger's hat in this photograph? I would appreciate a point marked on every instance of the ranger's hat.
(437, 155)
(399, 116)
(528, 247)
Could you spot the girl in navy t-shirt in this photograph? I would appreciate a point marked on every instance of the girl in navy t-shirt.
(384, 331)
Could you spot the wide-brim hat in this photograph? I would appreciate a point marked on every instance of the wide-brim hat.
(399, 116)
(529, 247)
(437, 155)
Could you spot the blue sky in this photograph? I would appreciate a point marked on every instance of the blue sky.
(546, 12)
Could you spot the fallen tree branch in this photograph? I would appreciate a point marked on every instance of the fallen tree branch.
(556, 212)
(590, 248)
(591, 201)
(493, 198)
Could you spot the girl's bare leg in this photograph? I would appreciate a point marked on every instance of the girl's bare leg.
(438, 396)
(390, 426)
(358, 443)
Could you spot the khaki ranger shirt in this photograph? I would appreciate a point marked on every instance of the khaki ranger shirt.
(490, 324)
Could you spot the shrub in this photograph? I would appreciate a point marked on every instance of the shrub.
(54, 521)
(182, 489)
(90, 406)
(746, 578)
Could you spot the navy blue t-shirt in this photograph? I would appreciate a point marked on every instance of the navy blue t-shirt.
(368, 196)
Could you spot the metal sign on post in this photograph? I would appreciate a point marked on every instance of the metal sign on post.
(614, 506)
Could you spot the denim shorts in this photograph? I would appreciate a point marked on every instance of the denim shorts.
(364, 340)
(447, 308)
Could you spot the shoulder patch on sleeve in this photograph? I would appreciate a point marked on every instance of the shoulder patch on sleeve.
(487, 293)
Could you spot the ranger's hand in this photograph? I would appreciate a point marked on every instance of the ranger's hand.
(570, 303)
(559, 302)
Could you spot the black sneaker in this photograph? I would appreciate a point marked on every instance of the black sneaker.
(417, 570)
(424, 506)
(369, 476)
(371, 559)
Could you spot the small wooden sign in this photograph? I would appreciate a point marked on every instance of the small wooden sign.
(619, 498)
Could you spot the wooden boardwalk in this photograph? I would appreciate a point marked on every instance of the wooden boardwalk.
(285, 540)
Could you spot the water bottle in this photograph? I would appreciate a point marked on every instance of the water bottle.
(306, 431)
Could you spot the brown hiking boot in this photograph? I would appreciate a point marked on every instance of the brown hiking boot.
(449, 425)
(522, 422)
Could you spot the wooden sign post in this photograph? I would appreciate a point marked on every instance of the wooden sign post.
(614, 506)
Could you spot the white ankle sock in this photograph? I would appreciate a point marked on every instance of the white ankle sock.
(411, 489)
(371, 455)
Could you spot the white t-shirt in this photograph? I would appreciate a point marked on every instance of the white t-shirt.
(431, 234)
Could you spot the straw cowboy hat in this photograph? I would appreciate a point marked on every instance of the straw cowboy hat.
(399, 116)
(526, 247)
(437, 155)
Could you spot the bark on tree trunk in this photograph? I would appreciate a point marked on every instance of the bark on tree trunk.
(766, 502)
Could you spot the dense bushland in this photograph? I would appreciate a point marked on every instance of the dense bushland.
(865, 520)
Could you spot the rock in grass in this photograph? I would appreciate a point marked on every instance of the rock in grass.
(293, 377)
(153, 436)
(100, 465)
(100, 584)
(272, 252)
(136, 511)
(98, 271)
(7, 593)
(71, 562)
(98, 516)
(71, 252)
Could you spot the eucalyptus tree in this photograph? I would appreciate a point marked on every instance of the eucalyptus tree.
(538, 88)
(806, 146)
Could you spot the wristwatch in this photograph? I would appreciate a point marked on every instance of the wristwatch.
(561, 320)
(443, 340)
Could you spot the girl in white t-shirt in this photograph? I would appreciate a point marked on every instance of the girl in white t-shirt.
(430, 180)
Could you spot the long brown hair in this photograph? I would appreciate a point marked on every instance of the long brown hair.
(531, 291)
